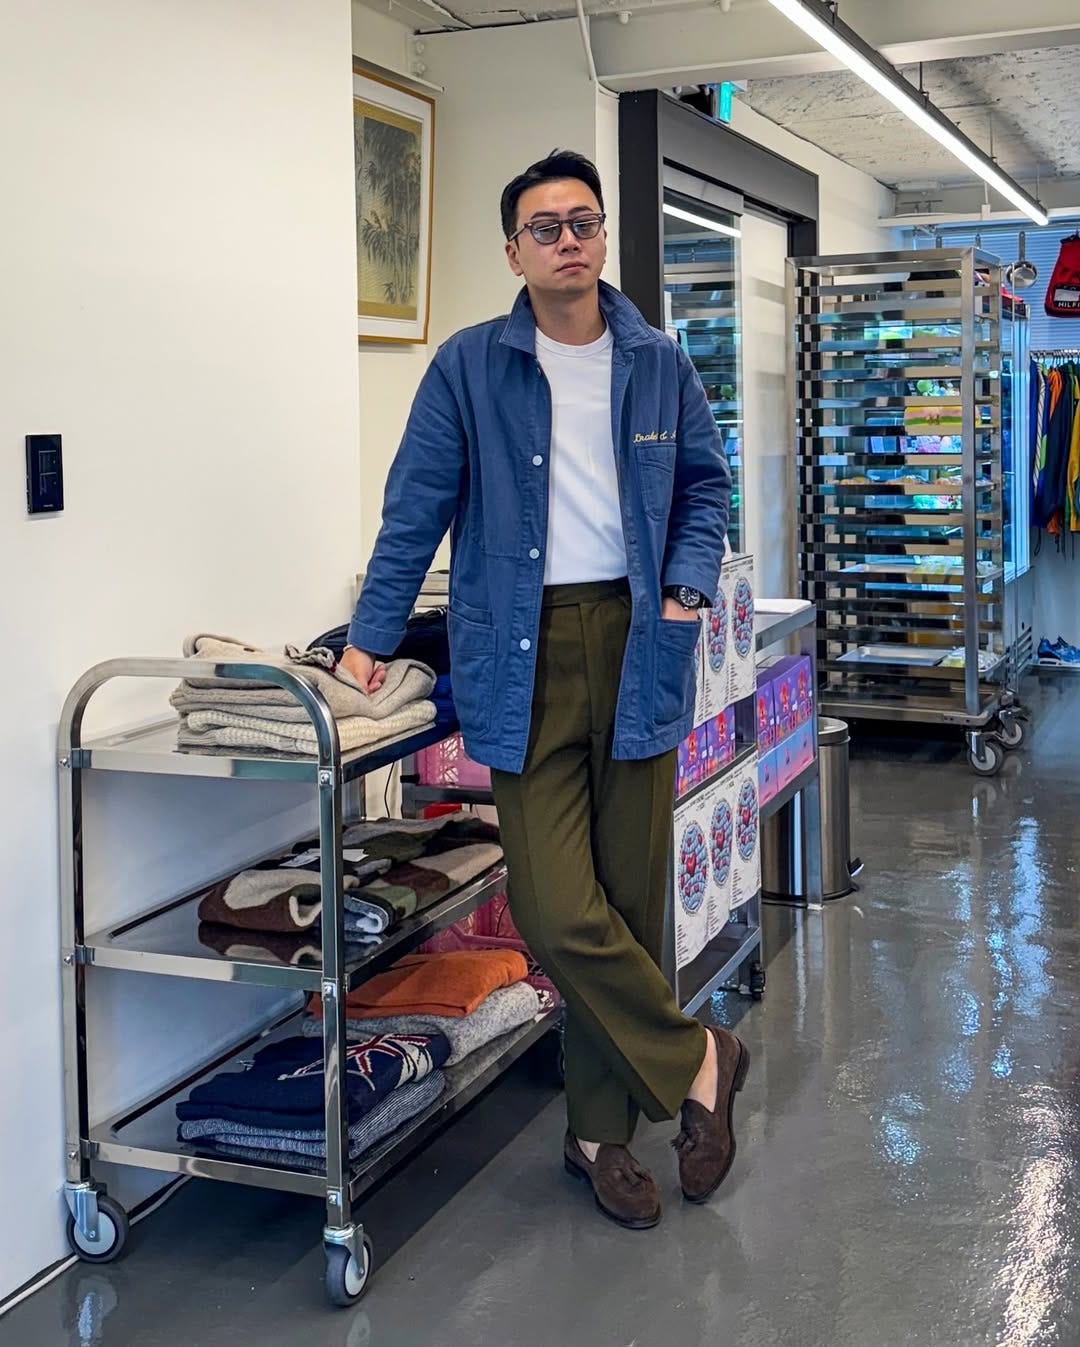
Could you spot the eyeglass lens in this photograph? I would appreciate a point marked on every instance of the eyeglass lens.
(587, 227)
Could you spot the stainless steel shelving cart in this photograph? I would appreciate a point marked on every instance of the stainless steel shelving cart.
(909, 506)
(164, 941)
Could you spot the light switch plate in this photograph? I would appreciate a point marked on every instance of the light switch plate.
(44, 474)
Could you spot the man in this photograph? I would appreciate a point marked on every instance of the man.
(573, 452)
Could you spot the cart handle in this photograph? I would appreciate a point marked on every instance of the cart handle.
(297, 682)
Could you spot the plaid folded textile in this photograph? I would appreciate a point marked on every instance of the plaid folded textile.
(392, 868)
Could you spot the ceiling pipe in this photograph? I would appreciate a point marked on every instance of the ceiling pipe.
(583, 24)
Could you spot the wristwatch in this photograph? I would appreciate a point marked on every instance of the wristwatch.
(684, 596)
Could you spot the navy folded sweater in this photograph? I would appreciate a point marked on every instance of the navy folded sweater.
(284, 1085)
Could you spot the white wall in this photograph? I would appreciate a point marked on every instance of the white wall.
(512, 95)
(768, 457)
(850, 201)
(179, 305)
(389, 373)
(850, 204)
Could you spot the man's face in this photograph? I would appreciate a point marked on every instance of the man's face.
(569, 266)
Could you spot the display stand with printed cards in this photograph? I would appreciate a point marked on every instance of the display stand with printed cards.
(714, 916)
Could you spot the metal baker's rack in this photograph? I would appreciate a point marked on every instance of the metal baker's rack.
(904, 364)
(164, 941)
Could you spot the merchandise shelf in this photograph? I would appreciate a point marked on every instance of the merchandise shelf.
(165, 941)
(145, 1135)
(904, 389)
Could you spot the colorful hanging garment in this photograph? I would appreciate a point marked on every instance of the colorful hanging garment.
(1063, 292)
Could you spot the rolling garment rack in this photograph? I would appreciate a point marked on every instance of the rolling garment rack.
(164, 942)
(910, 429)
(1044, 554)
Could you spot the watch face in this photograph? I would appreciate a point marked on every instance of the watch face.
(689, 598)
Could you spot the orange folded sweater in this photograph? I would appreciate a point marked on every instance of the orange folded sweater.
(453, 983)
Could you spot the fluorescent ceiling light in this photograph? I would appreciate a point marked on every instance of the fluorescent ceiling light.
(701, 220)
(820, 22)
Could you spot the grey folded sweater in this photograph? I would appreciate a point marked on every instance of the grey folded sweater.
(505, 1009)
(407, 681)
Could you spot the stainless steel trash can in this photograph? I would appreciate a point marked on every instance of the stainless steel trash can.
(783, 873)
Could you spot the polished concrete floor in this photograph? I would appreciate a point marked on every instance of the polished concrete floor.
(909, 1138)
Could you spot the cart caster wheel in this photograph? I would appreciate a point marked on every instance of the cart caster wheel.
(112, 1233)
(1012, 731)
(346, 1281)
(987, 758)
(757, 982)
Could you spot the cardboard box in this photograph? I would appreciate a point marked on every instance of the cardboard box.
(746, 852)
(765, 713)
(688, 766)
(768, 782)
(796, 754)
(804, 691)
(791, 677)
(721, 730)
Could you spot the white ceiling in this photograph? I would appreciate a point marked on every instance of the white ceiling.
(1025, 91)
(1026, 99)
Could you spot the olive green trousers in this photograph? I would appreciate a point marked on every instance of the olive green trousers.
(587, 842)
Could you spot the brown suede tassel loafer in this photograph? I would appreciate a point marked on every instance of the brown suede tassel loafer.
(706, 1144)
(625, 1192)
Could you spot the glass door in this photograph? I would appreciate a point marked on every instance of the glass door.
(702, 313)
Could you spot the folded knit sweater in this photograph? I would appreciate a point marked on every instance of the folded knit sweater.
(407, 681)
(284, 1086)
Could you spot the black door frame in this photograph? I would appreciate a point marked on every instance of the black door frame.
(656, 130)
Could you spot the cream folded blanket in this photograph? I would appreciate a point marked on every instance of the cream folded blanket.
(407, 681)
(225, 729)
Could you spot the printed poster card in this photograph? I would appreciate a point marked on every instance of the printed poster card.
(690, 884)
(737, 582)
(716, 643)
(746, 854)
(700, 713)
(717, 822)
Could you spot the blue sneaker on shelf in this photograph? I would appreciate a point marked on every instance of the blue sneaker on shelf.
(1060, 652)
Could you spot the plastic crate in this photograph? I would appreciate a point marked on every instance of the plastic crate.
(446, 764)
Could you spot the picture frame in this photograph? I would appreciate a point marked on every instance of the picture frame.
(393, 139)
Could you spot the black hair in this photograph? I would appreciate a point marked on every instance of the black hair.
(557, 167)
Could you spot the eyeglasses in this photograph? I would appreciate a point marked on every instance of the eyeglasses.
(550, 231)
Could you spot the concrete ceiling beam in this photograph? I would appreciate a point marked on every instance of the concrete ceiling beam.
(752, 41)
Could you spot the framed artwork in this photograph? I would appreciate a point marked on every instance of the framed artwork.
(393, 138)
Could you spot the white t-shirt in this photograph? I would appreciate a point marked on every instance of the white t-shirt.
(584, 535)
